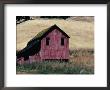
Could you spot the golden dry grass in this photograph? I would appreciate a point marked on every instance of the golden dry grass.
(81, 32)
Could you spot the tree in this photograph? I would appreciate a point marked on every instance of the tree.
(58, 17)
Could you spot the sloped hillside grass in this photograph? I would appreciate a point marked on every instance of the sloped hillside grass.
(81, 32)
(81, 62)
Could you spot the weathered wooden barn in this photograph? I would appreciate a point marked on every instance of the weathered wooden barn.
(49, 44)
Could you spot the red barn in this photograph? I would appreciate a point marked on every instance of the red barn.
(49, 44)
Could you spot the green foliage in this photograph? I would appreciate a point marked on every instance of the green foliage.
(57, 17)
(53, 68)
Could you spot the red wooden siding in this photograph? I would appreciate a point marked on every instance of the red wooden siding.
(55, 50)
(22, 61)
(35, 58)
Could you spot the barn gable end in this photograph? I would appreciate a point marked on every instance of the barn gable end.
(55, 50)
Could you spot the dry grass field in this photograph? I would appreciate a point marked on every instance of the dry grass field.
(81, 32)
(81, 45)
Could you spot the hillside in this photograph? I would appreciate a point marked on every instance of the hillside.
(81, 32)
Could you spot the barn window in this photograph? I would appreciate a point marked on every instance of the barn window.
(47, 40)
(62, 41)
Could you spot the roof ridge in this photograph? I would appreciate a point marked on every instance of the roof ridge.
(43, 33)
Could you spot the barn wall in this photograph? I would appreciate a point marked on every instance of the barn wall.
(35, 58)
(55, 50)
(22, 61)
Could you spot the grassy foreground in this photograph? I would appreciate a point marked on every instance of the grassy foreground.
(81, 62)
(54, 68)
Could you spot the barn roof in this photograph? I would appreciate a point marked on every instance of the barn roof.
(45, 32)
